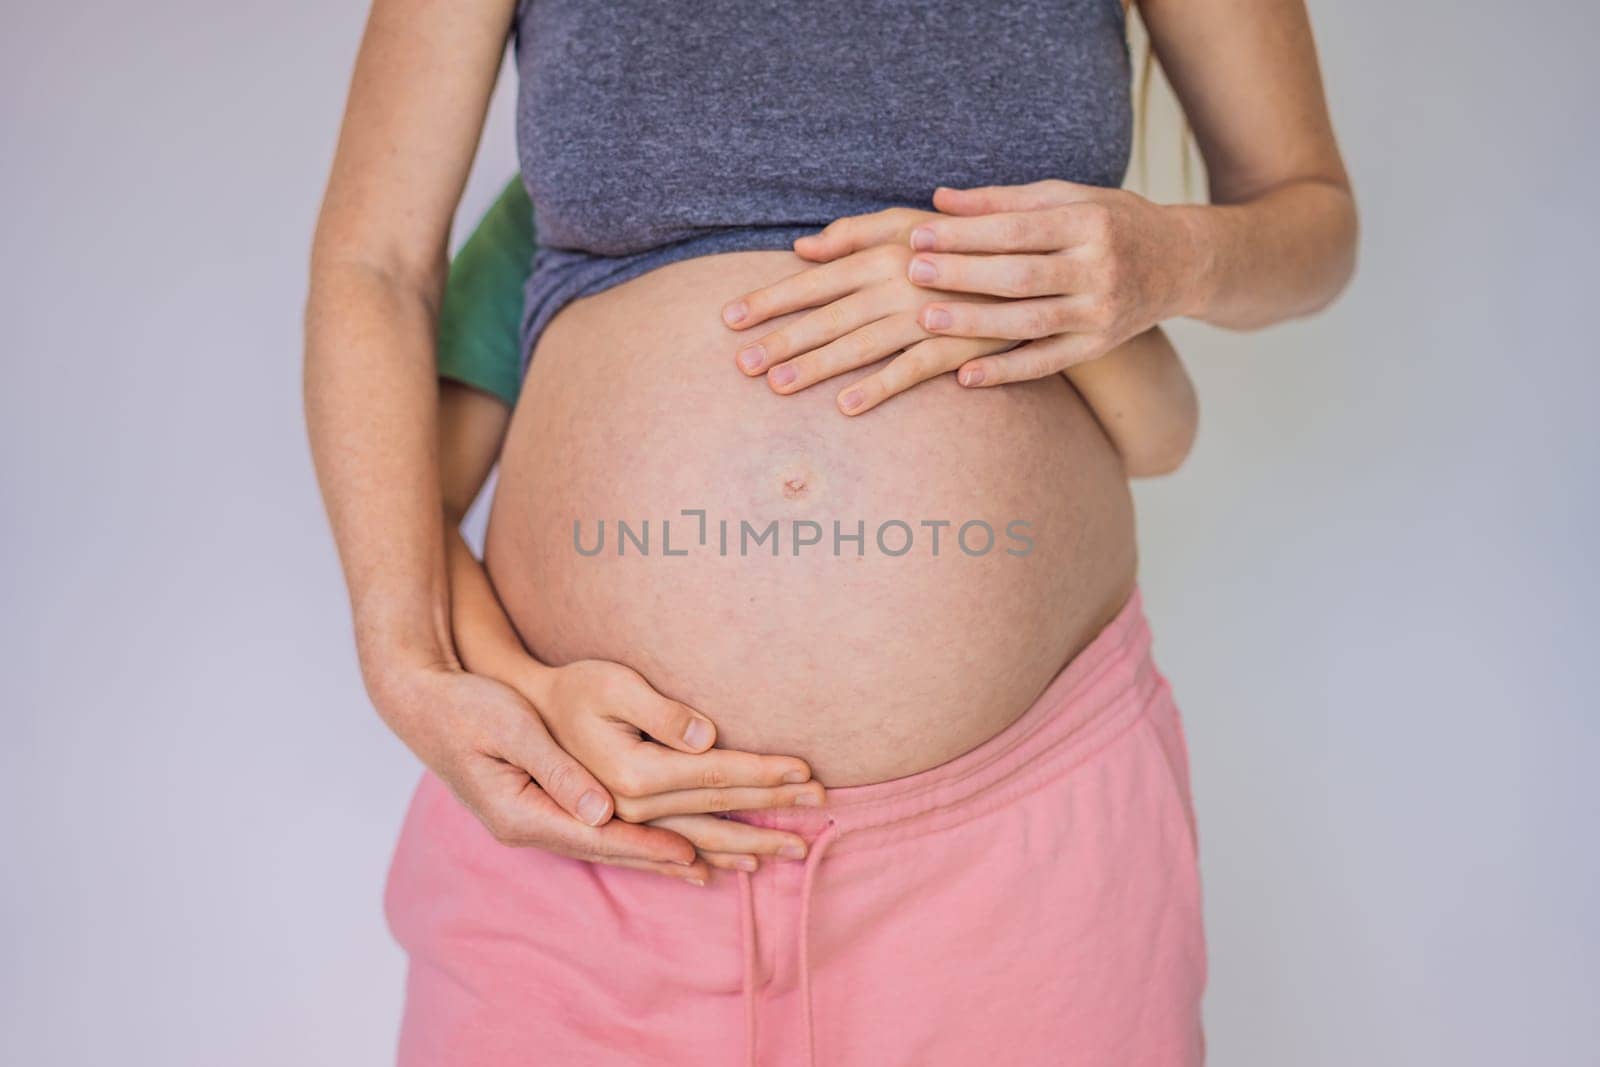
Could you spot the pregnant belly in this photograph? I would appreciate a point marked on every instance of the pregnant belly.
(876, 595)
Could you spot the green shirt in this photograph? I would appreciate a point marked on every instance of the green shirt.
(481, 316)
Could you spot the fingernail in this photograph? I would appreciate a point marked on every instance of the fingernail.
(695, 879)
(797, 777)
(793, 852)
(697, 734)
(750, 358)
(592, 808)
(971, 376)
(922, 271)
(936, 318)
(852, 400)
(735, 312)
(808, 800)
(746, 863)
(922, 239)
(781, 375)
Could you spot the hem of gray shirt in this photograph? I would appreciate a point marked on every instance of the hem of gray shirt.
(562, 275)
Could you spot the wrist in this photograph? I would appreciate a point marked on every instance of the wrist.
(489, 647)
(1194, 259)
(535, 679)
(391, 644)
(394, 680)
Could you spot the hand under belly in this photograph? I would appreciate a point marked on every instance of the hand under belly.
(876, 595)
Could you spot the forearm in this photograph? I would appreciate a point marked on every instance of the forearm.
(418, 95)
(484, 637)
(1279, 236)
(1284, 253)
(472, 427)
(371, 400)
(1143, 398)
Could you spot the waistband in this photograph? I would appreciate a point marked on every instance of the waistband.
(1089, 703)
(1100, 691)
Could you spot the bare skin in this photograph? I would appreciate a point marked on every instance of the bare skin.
(1139, 394)
(810, 652)
(1279, 242)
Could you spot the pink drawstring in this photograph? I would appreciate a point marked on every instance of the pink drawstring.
(818, 847)
(747, 938)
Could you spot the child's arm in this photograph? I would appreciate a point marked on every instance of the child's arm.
(479, 321)
(597, 712)
(1144, 400)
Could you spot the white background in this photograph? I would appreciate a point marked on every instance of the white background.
(1372, 586)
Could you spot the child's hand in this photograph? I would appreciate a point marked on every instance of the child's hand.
(485, 742)
(655, 757)
(867, 306)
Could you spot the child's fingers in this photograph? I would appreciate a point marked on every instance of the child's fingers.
(855, 232)
(812, 331)
(673, 724)
(563, 779)
(1036, 359)
(521, 815)
(918, 363)
(815, 286)
(726, 837)
(696, 874)
(701, 801)
(862, 347)
(644, 770)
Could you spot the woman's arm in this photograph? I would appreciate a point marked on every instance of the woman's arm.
(1139, 389)
(1087, 267)
(416, 108)
(1279, 236)
(1073, 270)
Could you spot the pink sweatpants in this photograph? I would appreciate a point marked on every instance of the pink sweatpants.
(1035, 901)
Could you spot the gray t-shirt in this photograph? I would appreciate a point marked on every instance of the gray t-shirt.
(651, 131)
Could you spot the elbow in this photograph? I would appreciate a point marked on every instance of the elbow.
(1341, 260)
(1162, 453)
(1159, 457)
(1317, 266)
(1340, 264)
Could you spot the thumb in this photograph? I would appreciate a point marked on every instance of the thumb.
(673, 724)
(987, 199)
(564, 779)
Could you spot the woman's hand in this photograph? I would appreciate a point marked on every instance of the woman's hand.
(654, 755)
(867, 308)
(1082, 269)
(1071, 270)
(485, 742)
(489, 745)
